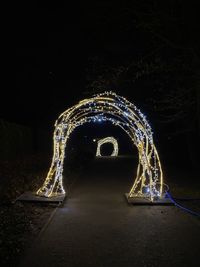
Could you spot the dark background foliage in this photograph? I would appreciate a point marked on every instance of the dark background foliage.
(147, 51)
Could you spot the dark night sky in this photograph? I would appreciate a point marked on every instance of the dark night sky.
(53, 45)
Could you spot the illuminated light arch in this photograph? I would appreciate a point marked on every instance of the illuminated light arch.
(108, 106)
(108, 140)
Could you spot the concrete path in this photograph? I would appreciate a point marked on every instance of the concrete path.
(96, 227)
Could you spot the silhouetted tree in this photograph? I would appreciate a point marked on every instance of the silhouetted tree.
(168, 65)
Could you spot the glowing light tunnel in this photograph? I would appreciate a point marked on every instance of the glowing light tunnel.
(120, 112)
(106, 140)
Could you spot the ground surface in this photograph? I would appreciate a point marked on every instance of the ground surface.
(96, 227)
(19, 226)
(20, 223)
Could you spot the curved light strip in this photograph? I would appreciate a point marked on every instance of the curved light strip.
(120, 112)
(106, 140)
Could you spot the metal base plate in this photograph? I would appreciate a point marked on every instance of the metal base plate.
(145, 201)
(32, 197)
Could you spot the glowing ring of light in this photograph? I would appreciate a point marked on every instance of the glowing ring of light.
(108, 107)
(106, 140)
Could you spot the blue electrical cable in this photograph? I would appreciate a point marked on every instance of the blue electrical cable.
(187, 199)
(181, 207)
(183, 199)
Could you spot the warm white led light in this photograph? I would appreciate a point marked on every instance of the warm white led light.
(120, 112)
(106, 140)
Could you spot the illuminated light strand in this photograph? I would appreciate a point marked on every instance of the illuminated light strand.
(120, 112)
(106, 140)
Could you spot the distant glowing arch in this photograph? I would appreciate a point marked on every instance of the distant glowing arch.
(120, 112)
(106, 140)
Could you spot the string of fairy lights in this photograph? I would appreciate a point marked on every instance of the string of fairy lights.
(111, 107)
(106, 140)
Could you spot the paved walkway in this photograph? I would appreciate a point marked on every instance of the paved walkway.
(96, 227)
